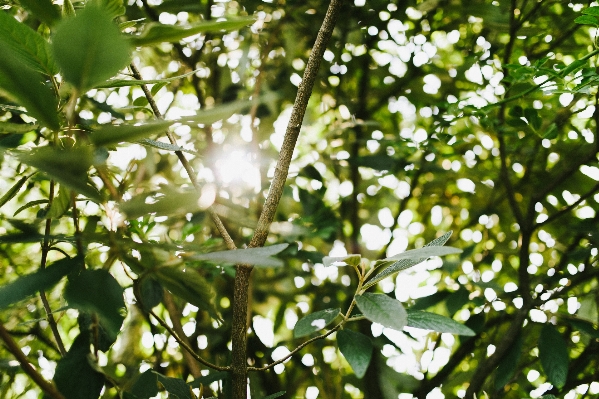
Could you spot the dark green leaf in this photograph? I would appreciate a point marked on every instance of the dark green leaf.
(68, 167)
(508, 365)
(207, 379)
(107, 135)
(190, 286)
(150, 292)
(591, 11)
(28, 285)
(532, 116)
(27, 46)
(383, 310)
(436, 322)
(587, 20)
(175, 386)
(87, 323)
(457, 300)
(44, 10)
(250, 256)
(551, 132)
(75, 378)
(146, 385)
(89, 48)
(553, 354)
(377, 162)
(314, 322)
(584, 326)
(8, 195)
(96, 291)
(133, 82)
(357, 350)
(60, 204)
(407, 261)
(157, 33)
(25, 86)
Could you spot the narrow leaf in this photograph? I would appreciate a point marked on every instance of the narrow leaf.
(29, 205)
(275, 395)
(89, 48)
(424, 253)
(584, 326)
(134, 82)
(436, 322)
(96, 291)
(407, 263)
(357, 350)
(75, 366)
(167, 202)
(383, 310)
(352, 260)
(13, 190)
(60, 204)
(314, 322)
(27, 46)
(25, 86)
(553, 354)
(251, 256)
(7, 127)
(157, 33)
(165, 146)
(107, 135)
(28, 285)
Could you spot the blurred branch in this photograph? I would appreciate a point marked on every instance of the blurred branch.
(568, 208)
(186, 165)
(13, 348)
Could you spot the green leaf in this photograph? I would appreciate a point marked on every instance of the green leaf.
(409, 260)
(533, 118)
(574, 66)
(14, 190)
(26, 45)
(591, 11)
(67, 9)
(275, 395)
(584, 326)
(29, 205)
(175, 386)
(149, 292)
(96, 291)
(158, 33)
(424, 253)
(60, 204)
(436, 322)
(508, 365)
(89, 48)
(383, 310)
(44, 10)
(7, 127)
(146, 385)
(357, 350)
(168, 201)
(68, 167)
(250, 256)
(42, 280)
(211, 377)
(25, 86)
(351, 259)
(164, 146)
(113, 7)
(107, 135)
(551, 132)
(134, 82)
(314, 322)
(587, 20)
(75, 378)
(190, 286)
(553, 354)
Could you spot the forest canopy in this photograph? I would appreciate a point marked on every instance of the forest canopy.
(277, 198)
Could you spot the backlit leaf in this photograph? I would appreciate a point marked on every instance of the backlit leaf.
(89, 48)
(134, 82)
(11, 192)
(314, 322)
(357, 350)
(44, 10)
(157, 33)
(107, 135)
(383, 310)
(250, 256)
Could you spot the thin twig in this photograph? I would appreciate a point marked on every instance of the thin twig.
(567, 209)
(186, 165)
(45, 250)
(13, 348)
(187, 347)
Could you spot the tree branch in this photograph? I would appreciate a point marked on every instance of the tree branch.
(13, 348)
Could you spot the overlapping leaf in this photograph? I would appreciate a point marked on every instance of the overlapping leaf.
(357, 350)
(250, 256)
(383, 310)
(314, 322)
(438, 323)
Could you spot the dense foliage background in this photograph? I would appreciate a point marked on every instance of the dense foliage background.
(479, 117)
